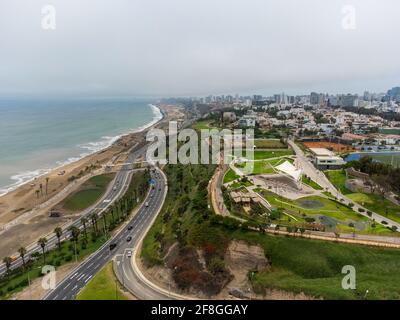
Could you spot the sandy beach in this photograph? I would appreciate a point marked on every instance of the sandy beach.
(24, 213)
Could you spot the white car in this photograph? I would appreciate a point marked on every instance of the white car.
(129, 254)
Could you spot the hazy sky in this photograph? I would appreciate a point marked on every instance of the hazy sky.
(196, 47)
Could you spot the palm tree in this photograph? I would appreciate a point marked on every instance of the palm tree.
(22, 252)
(75, 231)
(93, 217)
(58, 231)
(47, 183)
(84, 222)
(7, 261)
(42, 243)
(104, 220)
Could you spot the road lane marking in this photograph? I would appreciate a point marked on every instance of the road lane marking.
(79, 279)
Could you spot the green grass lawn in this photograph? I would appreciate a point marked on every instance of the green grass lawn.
(268, 154)
(338, 179)
(314, 267)
(260, 167)
(374, 203)
(321, 206)
(240, 184)
(87, 195)
(268, 143)
(103, 286)
(230, 176)
(202, 124)
(311, 183)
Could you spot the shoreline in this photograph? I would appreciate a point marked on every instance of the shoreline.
(158, 115)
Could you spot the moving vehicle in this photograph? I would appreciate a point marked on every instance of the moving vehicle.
(112, 246)
(129, 239)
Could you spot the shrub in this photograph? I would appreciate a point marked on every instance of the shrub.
(361, 210)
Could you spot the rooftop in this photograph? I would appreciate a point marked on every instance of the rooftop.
(321, 152)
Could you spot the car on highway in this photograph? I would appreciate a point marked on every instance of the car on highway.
(112, 246)
(130, 228)
(129, 239)
(146, 204)
(129, 254)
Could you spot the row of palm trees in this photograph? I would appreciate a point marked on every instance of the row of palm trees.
(118, 212)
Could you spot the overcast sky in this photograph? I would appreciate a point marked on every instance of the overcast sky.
(198, 47)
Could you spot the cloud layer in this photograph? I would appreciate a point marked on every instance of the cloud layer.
(190, 47)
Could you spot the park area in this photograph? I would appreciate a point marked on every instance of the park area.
(334, 216)
(87, 194)
(269, 144)
(373, 202)
(269, 154)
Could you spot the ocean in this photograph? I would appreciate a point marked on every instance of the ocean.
(37, 135)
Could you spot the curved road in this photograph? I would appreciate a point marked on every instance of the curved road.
(136, 228)
(117, 188)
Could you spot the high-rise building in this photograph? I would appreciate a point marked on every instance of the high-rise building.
(349, 100)
(314, 98)
(367, 96)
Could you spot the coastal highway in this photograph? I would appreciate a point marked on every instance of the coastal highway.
(117, 188)
(135, 228)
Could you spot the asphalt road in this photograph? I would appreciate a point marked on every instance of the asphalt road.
(137, 226)
(117, 188)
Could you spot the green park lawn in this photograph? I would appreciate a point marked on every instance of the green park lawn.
(311, 183)
(103, 286)
(374, 203)
(268, 144)
(88, 193)
(230, 176)
(202, 124)
(268, 154)
(338, 179)
(314, 205)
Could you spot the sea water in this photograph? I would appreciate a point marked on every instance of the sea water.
(37, 135)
